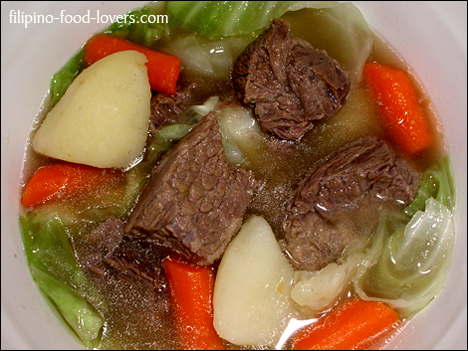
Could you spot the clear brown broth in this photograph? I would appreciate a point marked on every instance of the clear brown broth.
(282, 164)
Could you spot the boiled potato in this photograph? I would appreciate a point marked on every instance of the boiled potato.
(102, 119)
(251, 301)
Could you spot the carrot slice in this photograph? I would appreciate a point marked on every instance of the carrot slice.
(62, 180)
(192, 294)
(354, 325)
(399, 106)
(163, 69)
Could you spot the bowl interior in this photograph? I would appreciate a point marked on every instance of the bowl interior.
(430, 36)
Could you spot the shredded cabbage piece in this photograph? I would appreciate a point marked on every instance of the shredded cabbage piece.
(175, 131)
(240, 132)
(193, 115)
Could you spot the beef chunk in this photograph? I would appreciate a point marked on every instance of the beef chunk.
(359, 177)
(167, 109)
(137, 259)
(101, 242)
(194, 202)
(288, 82)
(110, 252)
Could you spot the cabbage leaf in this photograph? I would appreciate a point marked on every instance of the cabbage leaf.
(437, 182)
(55, 271)
(314, 292)
(216, 19)
(408, 264)
(242, 137)
(77, 312)
(211, 58)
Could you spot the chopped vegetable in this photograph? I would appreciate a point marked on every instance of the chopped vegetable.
(401, 112)
(102, 120)
(192, 292)
(252, 303)
(320, 290)
(216, 19)
(163, 69)
(78, 313)
(437, 183)
(242, 138)
(208, 106)
(353, 325)
(64, 180)
(210, 58)
(54, 269)
(191, 117)
(411, 262)
(175, 131)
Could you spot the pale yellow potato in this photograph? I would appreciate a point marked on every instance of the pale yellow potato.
(251, 300)
(102, 119)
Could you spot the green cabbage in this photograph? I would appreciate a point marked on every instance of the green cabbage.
(187, 121)
(437, 183)
(211, 58)
(77, 312)
(216, 19)
(55, 271)
(175, 131)
(408, 264)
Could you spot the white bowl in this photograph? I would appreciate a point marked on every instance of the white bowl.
(431, 36)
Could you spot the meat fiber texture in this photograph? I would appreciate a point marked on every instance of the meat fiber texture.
(359, 177)
(195, 201)
(288, 83)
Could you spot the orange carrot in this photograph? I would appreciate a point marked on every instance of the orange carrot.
(192, 293)
(62, 180)
(354, 325)
(398, 103)
(163, 69)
